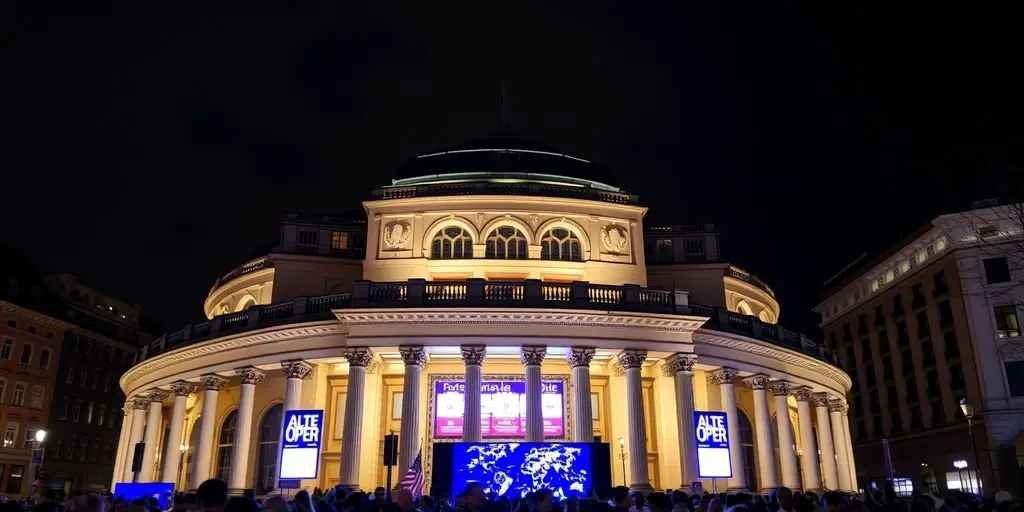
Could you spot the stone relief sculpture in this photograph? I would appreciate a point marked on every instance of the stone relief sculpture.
(614, 239)
(397, 235)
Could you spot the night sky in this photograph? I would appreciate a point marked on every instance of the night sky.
(149, 150)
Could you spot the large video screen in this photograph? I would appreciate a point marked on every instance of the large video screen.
(516, 469)
(162, 491)
(503, 408)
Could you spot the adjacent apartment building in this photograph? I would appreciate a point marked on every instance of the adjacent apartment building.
(928, 324)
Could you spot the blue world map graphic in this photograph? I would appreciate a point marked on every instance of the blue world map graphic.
(516, 469)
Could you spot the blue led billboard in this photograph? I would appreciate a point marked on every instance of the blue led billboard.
(516, 469)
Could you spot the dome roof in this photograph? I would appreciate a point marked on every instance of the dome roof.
(503, 154)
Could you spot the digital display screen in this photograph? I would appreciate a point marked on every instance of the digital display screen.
(300, 445)
(517, 469)
(162, 491)
(503, 408)
(712, 432)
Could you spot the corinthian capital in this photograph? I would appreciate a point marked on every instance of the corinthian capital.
(758, 382)
(803, 394)
(532, 355)
(140, 403)
(213, 382)
(413, 356)
(182, 388)
(820, 399)
(297, 369)
(473, 354)
(158, 395)
(680, 363)
(580, 356)
(779, 388)
(250, 375)
(632, 358)
(837, 405)
(358, 356)
(722, 375)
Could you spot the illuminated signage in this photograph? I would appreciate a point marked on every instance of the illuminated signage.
(300, 445)
(502, 408)
(712, 432)
(960, 464)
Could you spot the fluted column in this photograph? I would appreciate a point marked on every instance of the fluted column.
(154, 428)
(828, 454)
(139, 407)
(473, 358)
(631, 361)
(808, 445)
(787, 450)
(409, 434)
(202, 459)
(122, 444)
(763, 431)
(582, 415)
(680, 367)
(172, 452)
(836, 408)
(295, 372)
(243, 427)
(724, 378)
(849, 449)
(352, 432)
(532, 357)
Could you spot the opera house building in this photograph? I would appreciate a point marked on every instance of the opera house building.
(496, 290)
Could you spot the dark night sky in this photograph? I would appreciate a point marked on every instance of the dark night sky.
(150, 150)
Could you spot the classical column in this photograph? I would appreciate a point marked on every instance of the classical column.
(582, 415)
(787, 451)
(724, 377)
(243, 427)
(154, 428)
(139, 406)
(172, 452)
(122, 444)
(631, 361)
(680, 367)
(836, 408)
(352, 432)
(473, 358)
(202, 459)
(828, 454)
(409, 435)
(295, 372)
(808, 446)
(763, 431)
(849, 449)
(532, 357)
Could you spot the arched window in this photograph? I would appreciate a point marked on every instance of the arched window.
(246, 303)
(560, 244)
(747, 442)
(451, 243)
(225, 443)
(193, 445)
(270, 443)
(743, 308)
(775, 442)
(506, 243)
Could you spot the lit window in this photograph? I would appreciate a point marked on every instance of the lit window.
(903, 486)
(940, 244)
(37, 398)
(30, 437)
(451, 243)
(18, 398)
(1006, 321)
(506, 243)
(921, 256)
(339, 240)
(889, 276)
(874, 285)
(562, 244)
(10, 433)
(7, 351)
(904, 266)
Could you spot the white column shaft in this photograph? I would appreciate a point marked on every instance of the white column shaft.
(136, 436)
(641, 480)
(172, 452)
(728, 391)
(122, 446)
(849, 452)
(243, 438)
(293, 402)
(534, 406)
(765, 446)
(154, 427)
(582, 414)
(352, 433)
(828, 454)
(684, 417)
(787, 453)
(808, 447)
(202, 459)
(471, 430)
(842, 461)
(409, 435)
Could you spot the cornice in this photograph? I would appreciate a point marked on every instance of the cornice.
(34, 316)
(785, 355)
(561, 317)
(218, 345)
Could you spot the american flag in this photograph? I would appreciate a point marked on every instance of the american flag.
(414, 479)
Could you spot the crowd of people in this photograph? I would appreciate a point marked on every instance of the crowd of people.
(213, 496)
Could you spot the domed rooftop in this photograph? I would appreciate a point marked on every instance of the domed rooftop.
(503, 155)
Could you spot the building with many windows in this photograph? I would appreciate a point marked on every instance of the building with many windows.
(928, 323)
(499, 263)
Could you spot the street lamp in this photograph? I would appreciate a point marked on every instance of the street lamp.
(36, 461)
(181, 460)
(622, 457)
(968, 411)
(40, 436)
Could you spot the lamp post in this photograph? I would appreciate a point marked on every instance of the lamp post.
(968, 411)
(622, 457)
(36, 462)
(181, 461)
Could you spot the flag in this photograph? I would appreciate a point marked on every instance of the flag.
(414, 478)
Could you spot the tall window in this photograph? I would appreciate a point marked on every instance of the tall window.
(193, 445)
(70, 377)
(44, 358)
(3, 389)
(506, 243)
(747, 442)
(36, 402)
(996, 270)
(452, 243)
(561, 244)
(1006, 321)
(225, 445)
(339, 240)
(18, 398)
(270, 442)
(26, 354)
(7, 350)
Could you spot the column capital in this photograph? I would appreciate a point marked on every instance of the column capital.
(758, 381)
(298, 369)
(250, 375)
(820, 399)
(128, 406)
(532, 355)
(803, 394)
(358, 356)
(213, 382)
(837, 405)
(723, 375)
(158, 395)
(632, 358)
(182, 388)
(779, 388)
(140, 403)
(580, 356)
(473, 354)
(413, 355)
(678, 362)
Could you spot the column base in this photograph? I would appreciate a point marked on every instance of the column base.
(644, 488)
